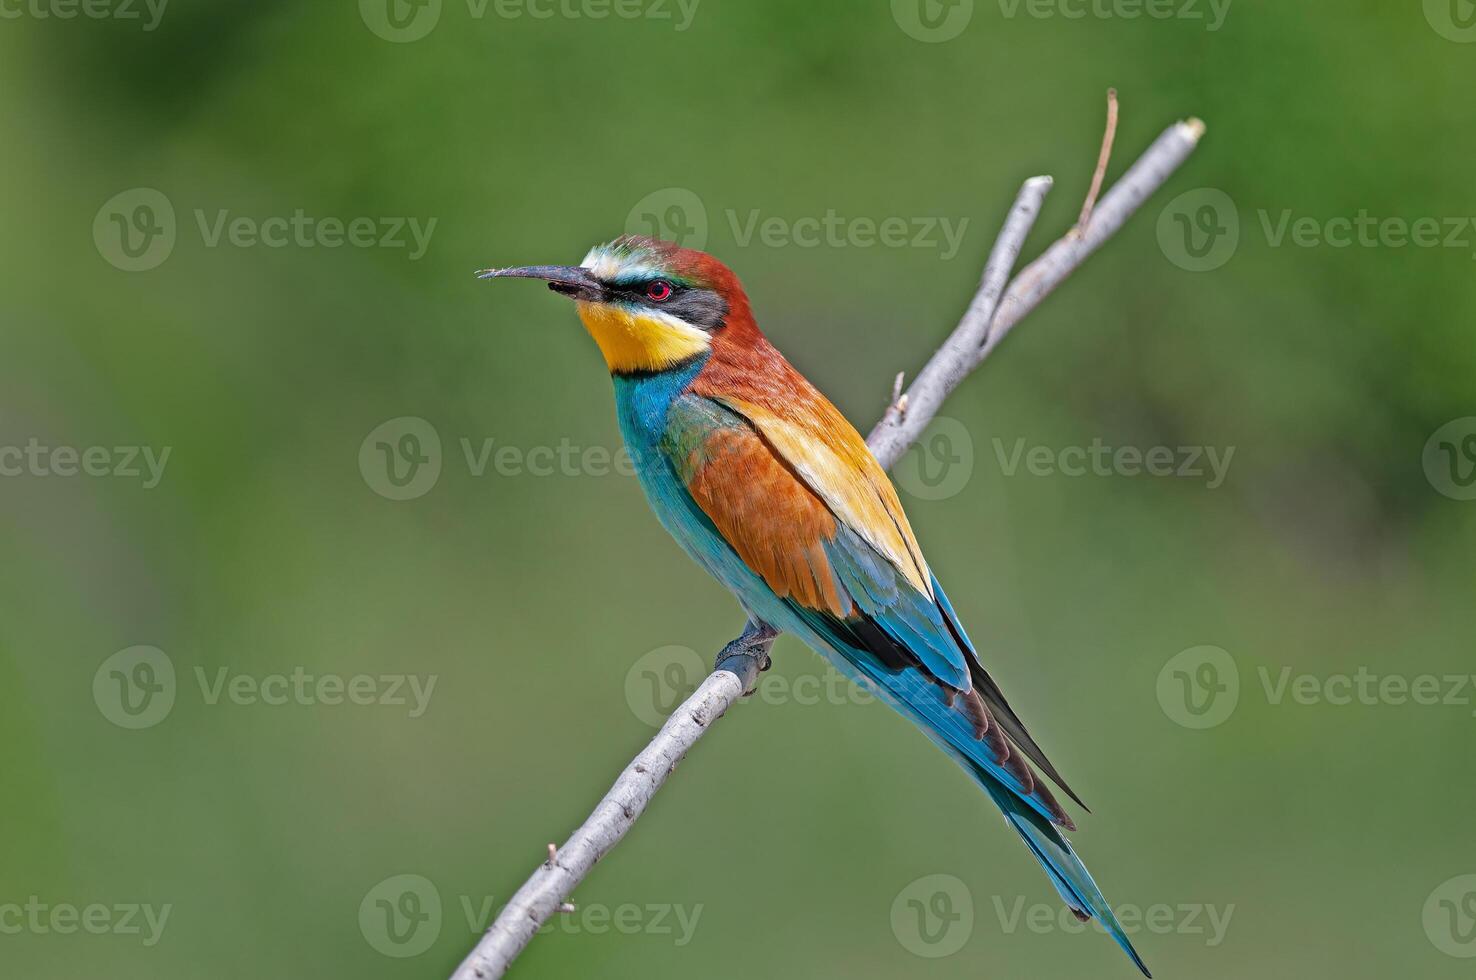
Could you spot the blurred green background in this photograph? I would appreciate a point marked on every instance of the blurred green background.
(1334, 836)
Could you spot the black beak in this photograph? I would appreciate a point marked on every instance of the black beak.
(570, 280)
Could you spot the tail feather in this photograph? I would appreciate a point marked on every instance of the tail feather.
(979, 735)
(1067, 873)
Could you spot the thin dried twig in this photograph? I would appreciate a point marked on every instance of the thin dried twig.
(1103, 159)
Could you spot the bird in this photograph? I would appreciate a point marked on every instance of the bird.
(764, 483)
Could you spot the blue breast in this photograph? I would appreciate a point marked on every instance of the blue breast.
(643, 405)
(643, 401)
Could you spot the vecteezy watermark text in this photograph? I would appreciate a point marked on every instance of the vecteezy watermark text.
(1201, 687)
(832, 230)
(402, 916)
(305, 689)
(935, 21)
(1212, 12)
(303, 230)
(663, 678)
(39, 917)
(564, 459)
(1201, 230)
(147, 12)
(1208, 463)
(136, 230)
(401, 459)
(677, 214)
(124, 462)
(1160, 919)
(136, 688)
(596, 919)
(934, 916)
(402, 21)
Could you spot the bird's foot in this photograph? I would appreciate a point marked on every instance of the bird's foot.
(748, 655)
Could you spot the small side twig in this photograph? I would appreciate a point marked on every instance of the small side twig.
(1103, 159)
(897, 406)
(995, 309)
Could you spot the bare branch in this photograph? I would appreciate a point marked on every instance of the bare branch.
(994, 310)
(952, 362)
(550, 886)
(1036, 281)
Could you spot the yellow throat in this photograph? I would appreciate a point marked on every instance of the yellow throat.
(641, 341)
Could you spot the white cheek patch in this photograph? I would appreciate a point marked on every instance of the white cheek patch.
(665, 321)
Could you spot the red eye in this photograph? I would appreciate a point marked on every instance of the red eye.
(658, 291)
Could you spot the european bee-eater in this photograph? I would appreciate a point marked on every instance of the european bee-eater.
(765, 484)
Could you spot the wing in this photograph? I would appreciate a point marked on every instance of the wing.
(809, 434)
(829, 456)
(828, 536)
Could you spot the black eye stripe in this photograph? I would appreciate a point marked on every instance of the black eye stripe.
(700, 307)
(637, 290)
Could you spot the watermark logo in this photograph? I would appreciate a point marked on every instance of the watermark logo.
(135, 687)
(940, 464)
(91, 9)
(401, 458)
(304, 689)
(1199, 687)
(933, 916)
(1212, 12)
(673, 214)
(401, 916)
(1207, 463)
(662, 679)
(566, 459)
(39, 917)
(125, 462)
(933, 21)
(834, 230)
(1161, 919)
(1199, 230)
(597, 919)
(400, 21)
(677, 214)
(1454, 20)
(135, 229)
(1365, 230)
(1450, 917)
(1450, 459)
(1367, 689)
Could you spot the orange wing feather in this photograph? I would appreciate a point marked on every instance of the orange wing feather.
(814, 440)
(775, 523)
